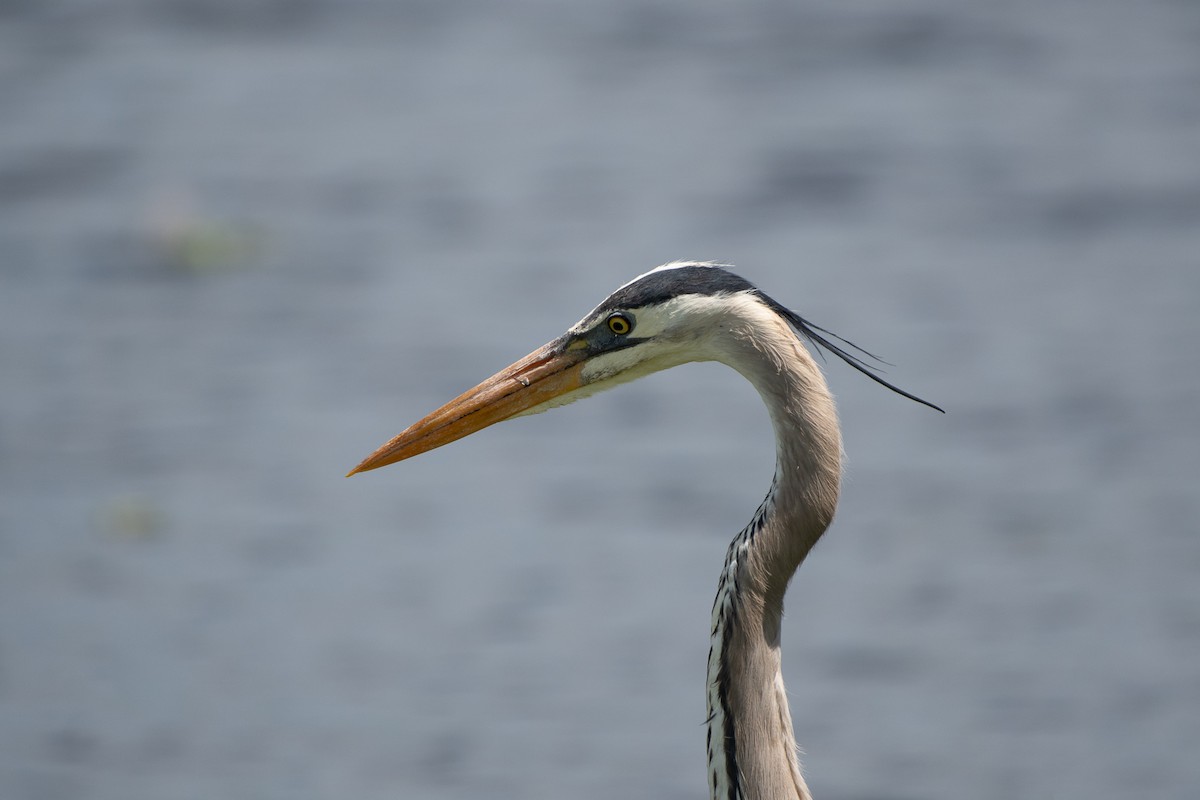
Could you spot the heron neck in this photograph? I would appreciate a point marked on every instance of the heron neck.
(808, 458)
(751, 746)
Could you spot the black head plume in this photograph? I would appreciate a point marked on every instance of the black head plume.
(814, 334)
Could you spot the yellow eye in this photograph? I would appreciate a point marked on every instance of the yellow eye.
(620, 324)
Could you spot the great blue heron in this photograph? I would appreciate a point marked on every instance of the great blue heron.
(677, 313)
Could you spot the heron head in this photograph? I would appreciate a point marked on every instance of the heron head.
(659, 320)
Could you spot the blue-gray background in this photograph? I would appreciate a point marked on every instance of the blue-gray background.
(244, 242)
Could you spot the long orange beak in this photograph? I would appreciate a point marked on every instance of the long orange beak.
(546, 373)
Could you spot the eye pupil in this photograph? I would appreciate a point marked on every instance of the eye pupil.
(620, 324)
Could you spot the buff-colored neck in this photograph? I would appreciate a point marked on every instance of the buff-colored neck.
(751, 746)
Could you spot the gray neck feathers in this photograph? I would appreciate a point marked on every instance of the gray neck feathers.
(751, 747)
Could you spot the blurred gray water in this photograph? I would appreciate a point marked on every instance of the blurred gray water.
(243, 242)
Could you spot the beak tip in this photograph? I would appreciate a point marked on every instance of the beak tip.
(363, 467)
(380, 458)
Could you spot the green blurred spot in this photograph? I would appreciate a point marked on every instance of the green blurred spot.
(132, 517)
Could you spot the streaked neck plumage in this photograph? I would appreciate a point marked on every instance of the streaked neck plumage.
(751, 747)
